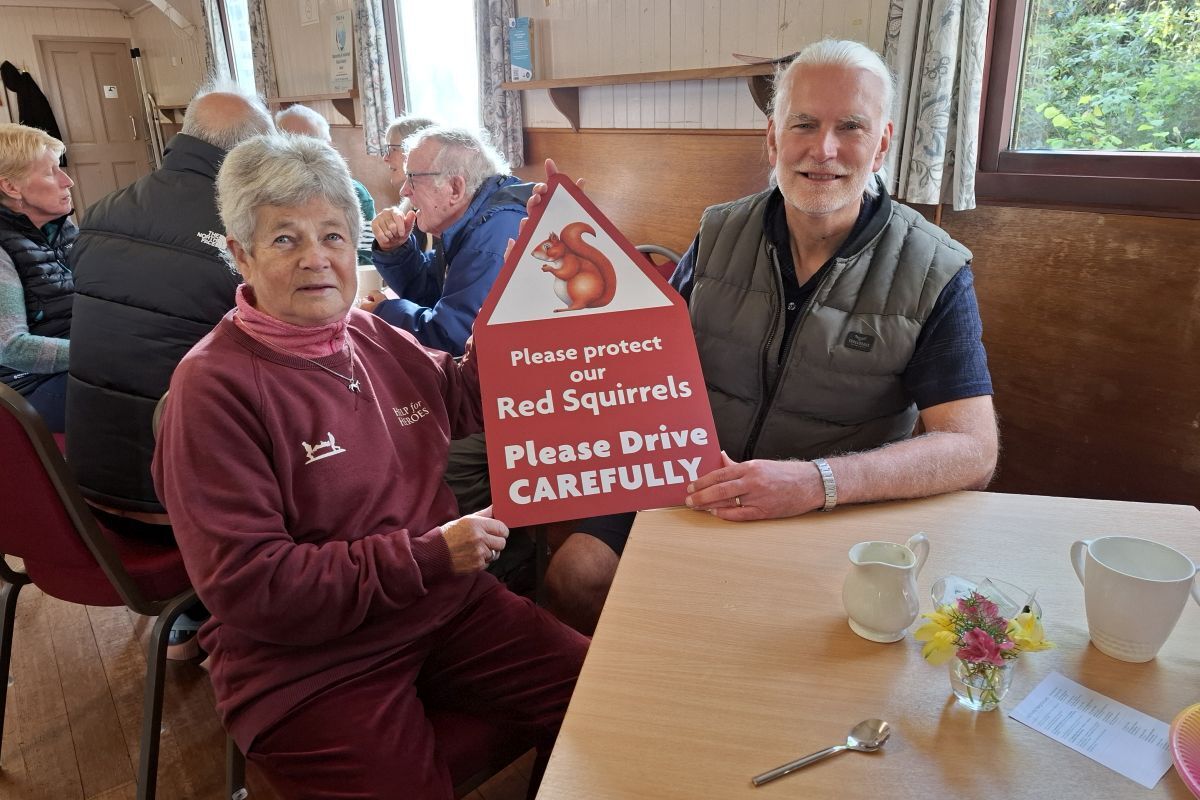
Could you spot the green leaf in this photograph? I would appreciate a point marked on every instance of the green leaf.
(1061, 121)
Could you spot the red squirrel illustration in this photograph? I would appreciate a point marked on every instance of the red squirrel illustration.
(584, 276)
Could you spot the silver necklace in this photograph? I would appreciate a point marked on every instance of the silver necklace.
(351, 381)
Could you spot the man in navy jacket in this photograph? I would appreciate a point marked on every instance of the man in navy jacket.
(462, 194)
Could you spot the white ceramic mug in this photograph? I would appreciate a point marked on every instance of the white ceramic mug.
(369, 280)
(1134, 591)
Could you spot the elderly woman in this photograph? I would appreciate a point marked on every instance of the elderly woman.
(300, 459)
(393, 150)
(36, 285)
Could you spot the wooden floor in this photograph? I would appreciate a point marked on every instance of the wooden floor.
(74, 714)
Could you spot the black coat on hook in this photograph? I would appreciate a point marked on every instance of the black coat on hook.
(33, 108)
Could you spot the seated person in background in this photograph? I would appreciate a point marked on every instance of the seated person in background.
(393, 155)
(462, 193)
(347, 598)
(151, 280)
(303, 121)
(816, 389)
(393, 150)
(36, 285)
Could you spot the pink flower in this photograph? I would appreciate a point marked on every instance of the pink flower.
(978, 646)
(979, 609)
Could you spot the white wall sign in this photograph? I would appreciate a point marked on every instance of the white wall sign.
(341, 75)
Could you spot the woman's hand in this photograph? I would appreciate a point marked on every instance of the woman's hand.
(392, 227)
(474, 541)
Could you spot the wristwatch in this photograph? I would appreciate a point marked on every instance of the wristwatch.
(828, 482)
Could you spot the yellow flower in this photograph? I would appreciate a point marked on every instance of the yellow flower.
(940, 647)
(1025, 630)
(942, 640)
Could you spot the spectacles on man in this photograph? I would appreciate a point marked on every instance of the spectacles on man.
(408, 178)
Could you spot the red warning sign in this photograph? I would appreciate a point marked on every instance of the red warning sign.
(592, 392)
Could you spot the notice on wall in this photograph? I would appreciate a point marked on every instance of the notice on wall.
(341, 67)
(308, 12)
(594, 402)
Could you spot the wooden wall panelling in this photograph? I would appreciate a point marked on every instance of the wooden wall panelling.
(1092, 324)
(368, 169)
(19, 24)
(302, 51)
(605, 37)
(161, 42)
(654, 185)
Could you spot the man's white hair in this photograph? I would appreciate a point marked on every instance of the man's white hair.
(837, 53)
(220, 128)
(304, 115)
(464, 152)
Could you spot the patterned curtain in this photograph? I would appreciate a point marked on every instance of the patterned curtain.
(260, 43)
(216, 58)
(936, 48)
(374, 72)
(499, 109)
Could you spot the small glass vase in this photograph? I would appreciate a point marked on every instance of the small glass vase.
(980, 687)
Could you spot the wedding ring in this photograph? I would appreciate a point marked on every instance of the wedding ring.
(737, 500)
(495, 554)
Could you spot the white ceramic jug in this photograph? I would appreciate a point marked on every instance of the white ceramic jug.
(880, 592)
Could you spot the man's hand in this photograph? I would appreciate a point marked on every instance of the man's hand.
(474, 541)
(758, 489)
(371, 300)
(393, 227)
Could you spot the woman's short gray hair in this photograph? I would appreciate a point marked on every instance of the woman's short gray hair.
(403, 127)
(464, 152)
(279, 170)
(838, 53)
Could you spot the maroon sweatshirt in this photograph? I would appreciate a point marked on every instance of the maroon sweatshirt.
(308, 515)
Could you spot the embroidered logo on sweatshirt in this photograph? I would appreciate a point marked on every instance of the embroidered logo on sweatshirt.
(411, 413)
(330, 447)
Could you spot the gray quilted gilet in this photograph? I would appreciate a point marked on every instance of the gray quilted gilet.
(839, 389)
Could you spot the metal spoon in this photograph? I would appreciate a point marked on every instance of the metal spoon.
(866, 736)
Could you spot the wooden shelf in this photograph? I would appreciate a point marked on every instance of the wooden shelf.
(173, 113)
(342, 101)
(564, 92)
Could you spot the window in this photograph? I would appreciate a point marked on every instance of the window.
(432, 46)
(237, 23)
(1093, 103)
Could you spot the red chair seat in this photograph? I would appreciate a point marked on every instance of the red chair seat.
(156, 568)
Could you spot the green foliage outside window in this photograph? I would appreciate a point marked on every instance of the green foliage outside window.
(1121, 75)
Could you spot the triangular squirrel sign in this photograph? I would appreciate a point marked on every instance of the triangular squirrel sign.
(593, 398)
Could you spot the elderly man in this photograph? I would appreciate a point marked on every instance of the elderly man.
(151, 279)
(303, 121)
(462, 193)
(830, 321)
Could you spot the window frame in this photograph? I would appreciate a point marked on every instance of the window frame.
(395, 52)
(1156, 184)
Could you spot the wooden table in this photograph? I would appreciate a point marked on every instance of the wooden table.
(723, 651)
